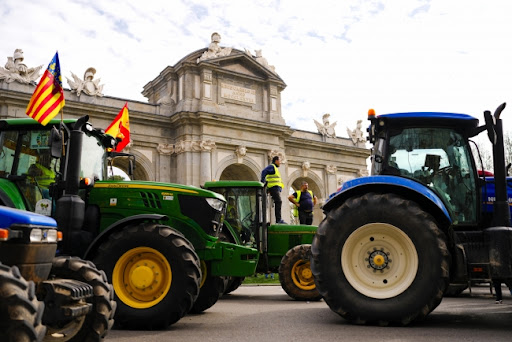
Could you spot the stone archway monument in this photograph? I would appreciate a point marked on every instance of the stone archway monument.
(215, 113)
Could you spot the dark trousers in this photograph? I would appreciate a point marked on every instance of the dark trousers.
(275, 192)
(306, 218)
(497, 289)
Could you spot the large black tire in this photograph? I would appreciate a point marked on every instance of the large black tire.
(212, 288)
(233, 284)
(20, 311)
(100, 320)
(155, 273)
(295, 274)
(380, 259)
(455, 290)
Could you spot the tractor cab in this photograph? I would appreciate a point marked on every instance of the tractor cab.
(433, 152)
(246, 209)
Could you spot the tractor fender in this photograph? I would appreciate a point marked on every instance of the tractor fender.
(407, 188)
(91, 250)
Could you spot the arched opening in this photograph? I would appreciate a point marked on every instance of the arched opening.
(238, 172)
(313, 186)
(122, 164)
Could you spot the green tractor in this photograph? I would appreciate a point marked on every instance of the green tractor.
(157, 242)
(46, 297)
(283, 248)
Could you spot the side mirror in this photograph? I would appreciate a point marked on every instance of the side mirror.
(55, 143)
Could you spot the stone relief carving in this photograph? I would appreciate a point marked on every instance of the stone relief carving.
(326, 129)
(194, 146)
(273, 153)
(357, 135)
(214, 50)
(17, 71)
(331, 169)
(241, 152)
(165, 149)
(88, 85)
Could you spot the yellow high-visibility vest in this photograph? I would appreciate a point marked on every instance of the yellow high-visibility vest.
(275, 179)
(295, 208)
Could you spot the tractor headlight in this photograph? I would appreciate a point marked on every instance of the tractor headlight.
(36, 235)
(51, 235)
(215, 203)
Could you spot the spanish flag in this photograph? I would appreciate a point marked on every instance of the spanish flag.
(48, 98)
(120, 128)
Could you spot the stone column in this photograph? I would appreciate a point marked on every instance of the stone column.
(164, 152)
(332, 183)
(206, 148)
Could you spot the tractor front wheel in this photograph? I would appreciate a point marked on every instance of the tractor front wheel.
(295, 274)
(380, 259)
(100, 320)
(155, 273)
(20, 311)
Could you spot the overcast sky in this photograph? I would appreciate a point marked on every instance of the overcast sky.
(339, 57)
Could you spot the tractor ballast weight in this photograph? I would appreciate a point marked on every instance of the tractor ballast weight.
(391, 243)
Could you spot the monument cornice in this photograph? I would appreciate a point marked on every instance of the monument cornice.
(328, 147)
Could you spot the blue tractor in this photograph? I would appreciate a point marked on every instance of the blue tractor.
(392, 243)
(44, 297)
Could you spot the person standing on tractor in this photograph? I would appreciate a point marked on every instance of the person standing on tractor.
(304, 201)
(272, 177)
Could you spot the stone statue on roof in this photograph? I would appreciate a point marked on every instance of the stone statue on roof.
(16, 70)
(214, 50)
(88, 85)
(357, 135)
(326, 129)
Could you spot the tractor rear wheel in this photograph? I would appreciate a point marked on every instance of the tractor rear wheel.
(295, 274)
(155, 273)
(100, 320)
(20, 311)
(380, 259)
(211, 289)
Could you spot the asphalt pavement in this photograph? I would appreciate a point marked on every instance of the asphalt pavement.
(266, 313)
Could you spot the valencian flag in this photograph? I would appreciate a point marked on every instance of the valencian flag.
(48, 98)
(120, 128)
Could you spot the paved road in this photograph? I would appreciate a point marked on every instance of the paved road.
(266, 313)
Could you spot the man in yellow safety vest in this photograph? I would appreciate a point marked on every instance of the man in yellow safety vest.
(271, 175)
(304, 201)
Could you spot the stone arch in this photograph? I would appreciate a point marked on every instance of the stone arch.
(315, 185)
(143, 166)
(230, 169)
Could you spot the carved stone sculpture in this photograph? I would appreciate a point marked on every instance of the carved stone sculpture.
(214, 50)
(357, 135)
(331, 169)
(165, 149)
(15, 70)
(306, 166)
(241, 152)
(88, 85)
(326, 129)
(273, 153)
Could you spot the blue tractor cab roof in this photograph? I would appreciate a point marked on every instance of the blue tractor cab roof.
(429, 119)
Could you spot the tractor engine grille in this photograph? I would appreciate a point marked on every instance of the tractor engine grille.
(150, 200)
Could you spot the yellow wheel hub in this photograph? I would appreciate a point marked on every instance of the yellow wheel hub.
(302, 276)
(142, 277)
